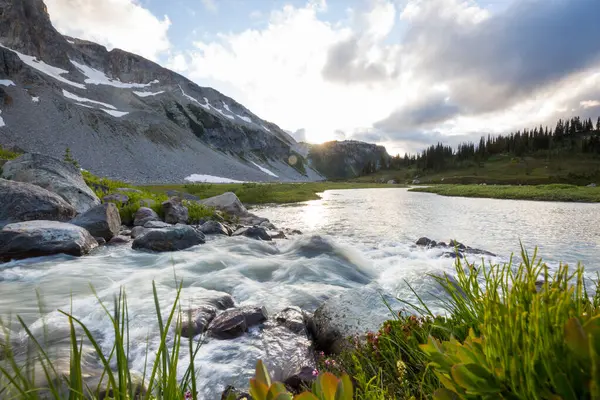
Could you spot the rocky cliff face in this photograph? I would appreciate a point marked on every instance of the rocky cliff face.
(346, 159)
(123, 116)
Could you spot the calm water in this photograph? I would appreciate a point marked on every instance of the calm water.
(351, 238)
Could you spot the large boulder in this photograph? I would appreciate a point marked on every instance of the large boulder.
(175, 211)
(227, 202)
(144, 215)
(235, 322)
(351, 314)
(101, 221)
(177, 237)
(42, 238)
(214, 228)
(205, 306)
(254, 232)
(26, 202)
(54, 175)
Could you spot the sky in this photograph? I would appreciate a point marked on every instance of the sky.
(401, 73)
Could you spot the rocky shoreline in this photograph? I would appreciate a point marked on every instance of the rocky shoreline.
(49, 209)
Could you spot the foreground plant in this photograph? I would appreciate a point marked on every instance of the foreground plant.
(535, 335)
(117, 382)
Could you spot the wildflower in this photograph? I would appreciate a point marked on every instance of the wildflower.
(315, 372)
(188, 395)
(401, 367)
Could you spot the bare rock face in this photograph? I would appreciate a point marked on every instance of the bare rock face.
(42, 238)
(101, 221)
(177, 237)
(54, 175)
(27, 202)
(227, 202)
(175, 211)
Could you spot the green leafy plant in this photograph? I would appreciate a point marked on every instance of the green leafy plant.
(326, 387)
(68, 157)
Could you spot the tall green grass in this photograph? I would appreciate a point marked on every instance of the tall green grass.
(20, 377)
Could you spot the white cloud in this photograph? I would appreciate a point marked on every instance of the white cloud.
(123, 24)
(589, 103)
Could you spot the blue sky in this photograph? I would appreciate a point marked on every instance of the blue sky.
(402, 73)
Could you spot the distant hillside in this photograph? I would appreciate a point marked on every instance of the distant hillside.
(346, 159)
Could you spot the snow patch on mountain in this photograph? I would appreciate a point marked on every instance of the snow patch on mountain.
(147, 94)
(1, 120)
(115, 113)
(49, 70)
(7, 83)
(96, 77)
(263, 169)
(265, 128)
(72, 96)
(206, 106)
(35, 99)
(210, 179)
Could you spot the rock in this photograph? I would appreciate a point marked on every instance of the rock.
(227, 202)
(175, 238)
(424, 242)
(175, 211)
(54, 175)
(100, 240)
(349, 315)
(156, 225)
(102, 221)
(391, 182)
(138, 231)
(214, 228)
(125, 232)
(277, 235)
(591, 185)
(292, 318)
(253, 232)
(304, 378)
(231, 392)
(267, 225)
(144, 215)
(195, 322)
(119, 240)
(128, 190)
(235, 322)
(43, 238)
(416, 181)
(27, 202)
(116, 198)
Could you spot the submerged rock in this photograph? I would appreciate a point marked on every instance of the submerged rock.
(144, 215)
(235, 322)
(175, 211)
(254, 232)
(214, 228)
(455, 249)
(27, 202)
(43, 238)
(227, 202)
(101, 221)
(351, 314)
(206, 305)
(54, 175)
(177, 237)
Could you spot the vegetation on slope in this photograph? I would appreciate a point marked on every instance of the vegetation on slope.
(568, 153)
(554, 192)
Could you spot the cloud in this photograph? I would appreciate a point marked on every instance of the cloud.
(339, 134)
(123, 24)
(210, 5)
(299, 135)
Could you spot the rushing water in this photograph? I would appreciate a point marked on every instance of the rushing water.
(350, 238)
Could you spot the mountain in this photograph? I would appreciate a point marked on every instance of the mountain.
(344, 159)
(125, 117)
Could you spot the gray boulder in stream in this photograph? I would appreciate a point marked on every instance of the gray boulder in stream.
(175, 211)
(177, 237)
(54, 175)
(27, 202)
(144, 215)
(214, 228)
(42, 238)
(254, 232)
(235, 322)
(349, 315)
(227, 202)
(101, 221)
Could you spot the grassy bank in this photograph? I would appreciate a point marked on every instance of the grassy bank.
(509, 332)
(261, 193)
(503, 169)
(554, 192)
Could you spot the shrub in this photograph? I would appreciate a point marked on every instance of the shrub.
(198, 212)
